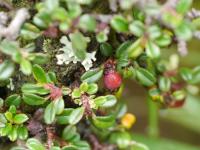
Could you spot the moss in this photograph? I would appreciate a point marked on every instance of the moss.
(23, 3)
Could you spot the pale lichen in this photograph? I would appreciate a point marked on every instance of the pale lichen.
(68, 55)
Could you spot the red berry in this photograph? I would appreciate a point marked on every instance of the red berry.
(177, 104)
(112, 80)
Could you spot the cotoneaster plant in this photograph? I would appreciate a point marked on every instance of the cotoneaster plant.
(63, 64)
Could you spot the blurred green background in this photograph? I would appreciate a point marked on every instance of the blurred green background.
(179, 128)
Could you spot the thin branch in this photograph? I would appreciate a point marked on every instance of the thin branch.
(11, 32)
(193, 13)
(50, 136)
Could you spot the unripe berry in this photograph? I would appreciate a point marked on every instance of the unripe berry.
(112, 80)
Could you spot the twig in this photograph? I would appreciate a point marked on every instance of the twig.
(6, 4)
(50, 136)
(182, 47)
(11, 32)
(193, 13)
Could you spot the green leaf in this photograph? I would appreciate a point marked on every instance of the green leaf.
(78, 145)
(50, 113)
(84, 87)
(26, 67)
(39, 74)
(76, 115)
(3, 120)
(66, 90)
(119, 23)
(196, 75)
(154, 32)
(106, 49)
(87, 22)
(69, 133)
(105, 101)
(29, 31)
(55, 148)
(1, 103)
(135, 49)
(121, 109)
(179, 95)
(32, 99)
(122, 139)
(8, 47)
(145, 77)
(52, 77)
(183, 6)
(76, 93)
(92, 88)
(6, 130)
(29, 88)
(6, 69)
(60, 14)
(14, 99)
(9, 116)
(51, 4)
(64, 117)
(99, 101)
(137, 28)
(102, 37)
(79, 44)
(122, 49)
(103, 122)
(92, 76)
(164, 84)
(34, 144)
(12, 135)
(12, 109)
(152, 50)
(186, 74)
(22, 133)
(42, 19)
(18, 148)
(20, 118)
(110, 101)
(38, 58)
(139, 146)
(184, 31)
(163, 40)
(59, 105)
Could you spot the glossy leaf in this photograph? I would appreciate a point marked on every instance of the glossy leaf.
(25, 66)
(92, 75)
(119, 23)
(14, 99)
(145, 77)
(106, 49)
(20, 118)
(6, 69)
(76, 115)
(29, 88)
(22, 133)
(152, 50)
(59, 105)
(92, 88)
(103, 122)
(34, 144)
(50, 113)
(32, 99)
(87, 22)
(39, 74)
